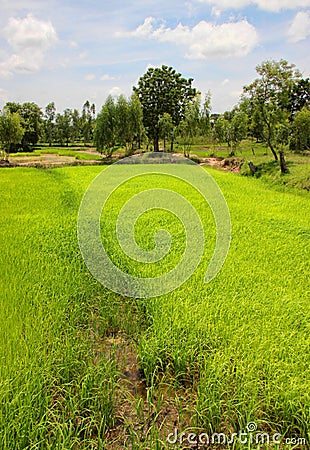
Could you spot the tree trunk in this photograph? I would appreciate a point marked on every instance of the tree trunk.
(156, 144)
(253, 168)
(273, 150)
(171, 145)
(283, 165)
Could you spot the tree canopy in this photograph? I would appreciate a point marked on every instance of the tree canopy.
(163, 90)
(11, 131)
(270, 96)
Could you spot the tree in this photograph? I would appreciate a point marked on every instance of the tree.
(137, 130)
(219, 129)
(300, 96)
(166, 129)
(64, 127)
(31, 121)
(205, 116)
(75, 125)
(189, 125)
(163, 90)
(87, 121)
(300, 137)
(270, 95)
(237, 129)
(123, 131)
(49, 124)
(11, 131)
(106, 128)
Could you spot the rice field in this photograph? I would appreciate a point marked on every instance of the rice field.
(212, 358)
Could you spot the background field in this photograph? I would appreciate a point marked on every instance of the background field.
(214, 356)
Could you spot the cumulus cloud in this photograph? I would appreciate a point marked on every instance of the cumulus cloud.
(300, 27)
(204, 40)
(29, 39)
(267, 5)
(106, 77)
(115, 91)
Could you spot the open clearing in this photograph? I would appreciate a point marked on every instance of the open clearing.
(84, 368)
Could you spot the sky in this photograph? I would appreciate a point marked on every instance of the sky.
(71, 51)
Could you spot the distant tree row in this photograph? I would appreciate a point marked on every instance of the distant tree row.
(274, 109)
(22, 126)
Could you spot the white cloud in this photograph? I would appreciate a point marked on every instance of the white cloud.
(90, 77)
(204, 40)
(300, 27)
(29, 38)
(226, 81)
(267, 5)
(115, 91)
(73, 44)
(106, 77)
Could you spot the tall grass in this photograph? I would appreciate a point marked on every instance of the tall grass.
(241, 342)
(53, 392)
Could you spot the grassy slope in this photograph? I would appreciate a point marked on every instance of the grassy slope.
(246, 334)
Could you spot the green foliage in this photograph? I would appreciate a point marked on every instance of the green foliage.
(11, 131)
(219, 130)
(64, 127)
(106, 127)
(166, 129)
(300, 138)
(188, 127)
(300, 96)
(49, 123)
(31, 121)
(87, 121)
(163, 90)
(119, 123)
(269, 97)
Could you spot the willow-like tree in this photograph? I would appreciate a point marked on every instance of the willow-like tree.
(163, 90)
(106, 127)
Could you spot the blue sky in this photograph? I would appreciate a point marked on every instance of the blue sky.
(70, 51)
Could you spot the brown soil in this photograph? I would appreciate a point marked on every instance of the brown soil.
(144, 413)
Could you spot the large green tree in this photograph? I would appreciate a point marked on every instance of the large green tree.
(163, 90)
(11, 131)
(270, 96)
(31, 121)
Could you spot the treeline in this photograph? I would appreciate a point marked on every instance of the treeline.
(274, 109)
(22, 126)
